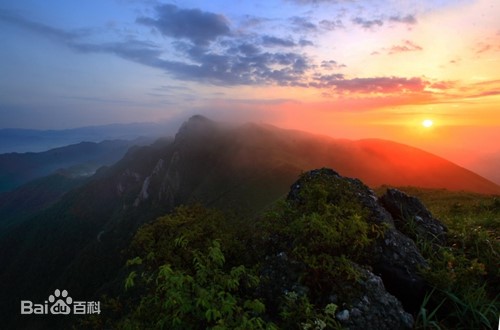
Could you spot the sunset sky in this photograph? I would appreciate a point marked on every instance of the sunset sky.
(345, 68)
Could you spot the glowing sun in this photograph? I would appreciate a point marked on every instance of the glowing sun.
(427, 123)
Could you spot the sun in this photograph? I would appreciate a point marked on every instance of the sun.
(427, 123)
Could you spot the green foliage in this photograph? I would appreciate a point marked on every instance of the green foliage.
(200, 268)
(165, 240)
(426, 318)
(299, 312)
(211, 297)
(326, 229)
(181, 276)
(327, 219)
(464, 273)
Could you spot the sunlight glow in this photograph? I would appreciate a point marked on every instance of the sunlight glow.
(427, 123)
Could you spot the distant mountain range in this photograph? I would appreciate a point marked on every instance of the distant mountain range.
(80, 159)
(77, 243)
(30, 140)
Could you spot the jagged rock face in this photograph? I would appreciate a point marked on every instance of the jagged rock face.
(412, 217)
(394, 257)
(375, 308)
(397, 260)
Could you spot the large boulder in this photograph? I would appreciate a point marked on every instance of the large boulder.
(397, 260)
(393, 256)
(412, 218)
(374, 307)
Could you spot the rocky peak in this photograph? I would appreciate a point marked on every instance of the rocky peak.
(195, 126)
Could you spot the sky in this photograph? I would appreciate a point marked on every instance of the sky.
(344, 68)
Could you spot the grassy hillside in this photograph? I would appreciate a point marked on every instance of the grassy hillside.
(466, 272)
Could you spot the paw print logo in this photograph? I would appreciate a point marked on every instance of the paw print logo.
(61, 302)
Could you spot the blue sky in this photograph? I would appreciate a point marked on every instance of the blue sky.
(290, 62)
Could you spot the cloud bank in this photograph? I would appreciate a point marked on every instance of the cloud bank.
(203, 47)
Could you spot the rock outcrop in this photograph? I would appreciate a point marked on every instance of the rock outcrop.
(390, 286)
(412, 218)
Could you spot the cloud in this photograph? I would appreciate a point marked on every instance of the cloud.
(371, 23)
(367, 24)
(198, 26)
(487, 93)
(46, 30)
(331, 65)
(482, 47)
(443, 85)
(247, 49)
(270, 41)
(408, 19)
(407, 46)
(232, 62)
(250, 21)
(134, 50)
(331, 25)
(302, 24)
(305, 42)
(482, 89)
(376, 85)
(326, 81)
(238, 64)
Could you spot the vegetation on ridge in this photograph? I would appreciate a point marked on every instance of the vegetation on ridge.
(465, 274)
(200, 268)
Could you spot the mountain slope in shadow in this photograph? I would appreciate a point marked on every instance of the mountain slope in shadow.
(81, 159)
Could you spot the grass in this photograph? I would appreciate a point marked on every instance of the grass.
(465, 272)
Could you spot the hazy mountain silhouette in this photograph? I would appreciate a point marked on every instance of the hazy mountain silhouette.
(80, 159)
(34, 196)
(32, 140)
(486, 165)
(77, 243)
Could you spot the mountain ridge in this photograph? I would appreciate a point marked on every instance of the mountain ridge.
(38, 140)
(82, 158)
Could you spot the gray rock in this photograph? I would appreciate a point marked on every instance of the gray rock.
(397, 260)
(375, 308)
(342, 316)
(394, 256)
(412, 217)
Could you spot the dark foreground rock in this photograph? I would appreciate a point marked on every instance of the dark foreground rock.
(374, 308)
(390, 288)
(412, 217)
